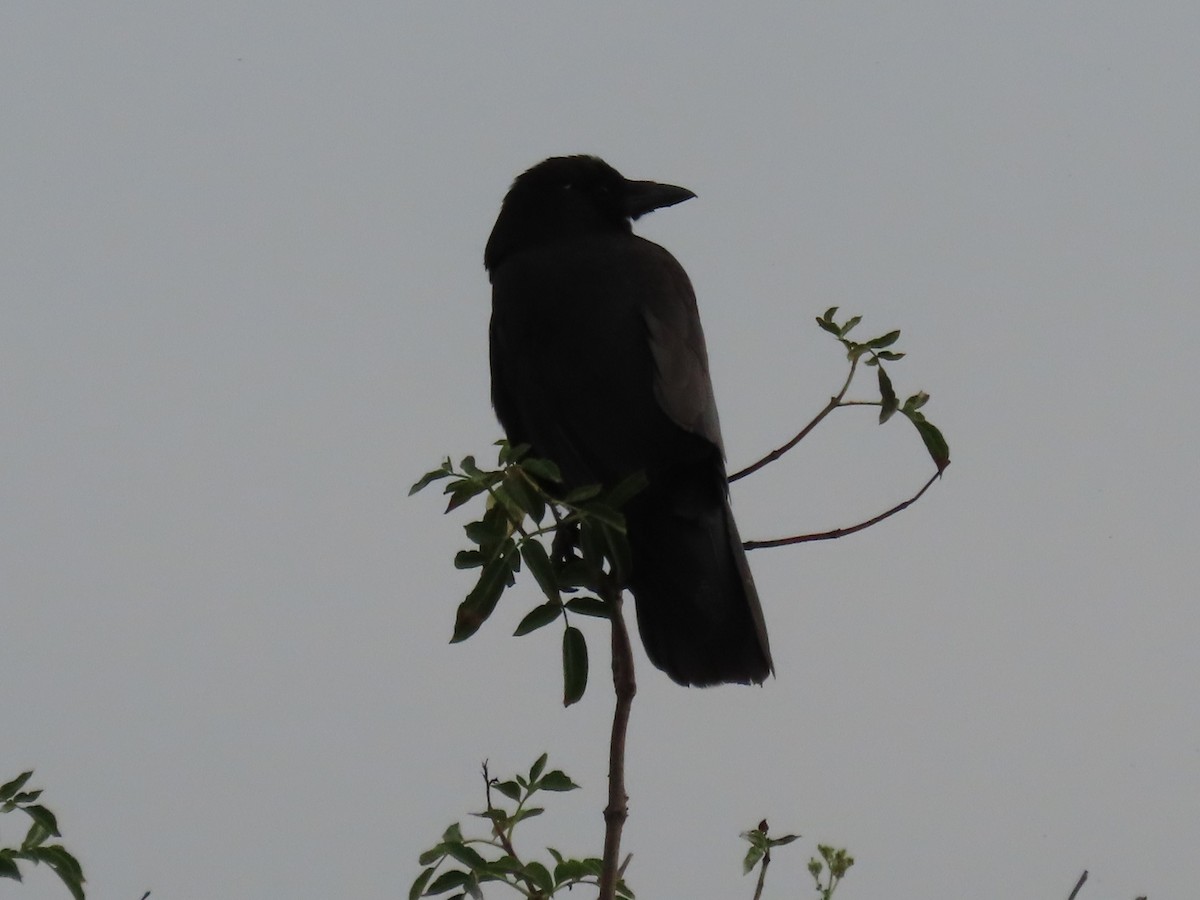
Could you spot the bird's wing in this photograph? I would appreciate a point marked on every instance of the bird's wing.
(682, 386)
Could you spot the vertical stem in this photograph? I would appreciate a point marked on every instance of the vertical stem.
(624, 687)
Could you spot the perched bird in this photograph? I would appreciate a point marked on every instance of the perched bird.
(599, 364)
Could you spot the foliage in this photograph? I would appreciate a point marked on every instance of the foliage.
(470, 862)
(836, 863)
(874, 353)
(834, 867)
(573, 543)
(522, 515)
(34, 848)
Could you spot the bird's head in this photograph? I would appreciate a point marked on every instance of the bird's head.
(572, 196)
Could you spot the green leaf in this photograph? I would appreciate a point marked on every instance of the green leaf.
(539, 617)
(591, 546)
(782, 841)
(418, 886)
(538, 561)
(35, 837)
(8, 866)
(594, 865)
(509, 453)
(575, 665)
(432, 855)
(575, 573)
(466, 855)
(506, 863)
(605, 515)
(543, 469)
(935, 444)
(43, 817)
(829, 314)
(487, 530)
(540, 875)
(510, 789)
(887, 395)
(885, 340)
(452, 833)
(830, 326)
(442, 471)
(618, 552)
(448, 881)
(528, 813)
(753, 855)
(570, 870)
(482, 600)
(850, 323)
(916, 401)
(520, 496)
(497, 817)
(580, 494)
(468, 559)
(462, 491)
(626, 489)
(889, 355)
(65, 865)
(10, 788)
(557, 780)
(589, 606)
(537, 768)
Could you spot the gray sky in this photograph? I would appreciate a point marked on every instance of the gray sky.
(244, 308)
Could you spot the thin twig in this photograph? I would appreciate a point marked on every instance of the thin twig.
(1078, 885)
(762, 875)
(834, 402)
(842, 532)
(625, 687)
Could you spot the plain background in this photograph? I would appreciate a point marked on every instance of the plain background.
(244, 309)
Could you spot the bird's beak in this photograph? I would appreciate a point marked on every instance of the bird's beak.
(642, 197)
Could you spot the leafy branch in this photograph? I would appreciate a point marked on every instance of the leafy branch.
(34, 848)
(573, 542)
(524, 523)
(826, 874)
(462, 864)
(873, 352)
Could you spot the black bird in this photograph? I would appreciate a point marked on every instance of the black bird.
(599, 364)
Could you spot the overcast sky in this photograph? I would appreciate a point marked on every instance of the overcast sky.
(244, 308)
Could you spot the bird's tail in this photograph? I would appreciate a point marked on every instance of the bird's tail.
(697, 608)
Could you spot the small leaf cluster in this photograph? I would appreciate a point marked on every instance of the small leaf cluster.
(825, 874)
(874, 352)
(828, 874)
(761, 845)
(527, 507)
(458, 866)
(34, 848)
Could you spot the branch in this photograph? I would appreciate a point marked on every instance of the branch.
(1078, 885)
(842, 532)
(625, 687)
(762, 875)
(834, 402)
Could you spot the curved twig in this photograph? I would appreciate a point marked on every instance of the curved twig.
(834, 402)
(842, 532)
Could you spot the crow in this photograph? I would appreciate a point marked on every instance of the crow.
(599, 364)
